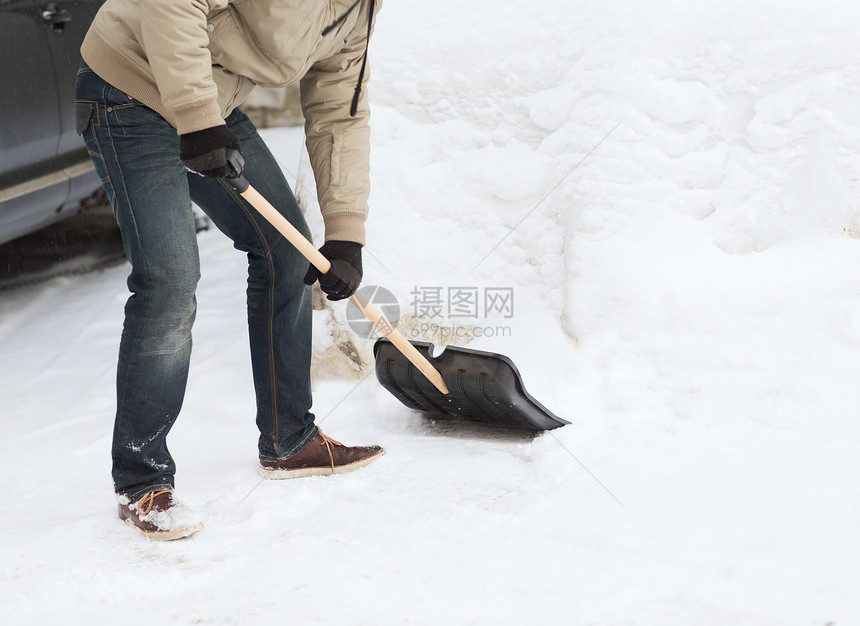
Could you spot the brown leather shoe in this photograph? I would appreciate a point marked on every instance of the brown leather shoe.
(323, 456)
(159, 515)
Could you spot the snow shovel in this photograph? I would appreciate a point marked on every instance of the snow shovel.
(485, 386)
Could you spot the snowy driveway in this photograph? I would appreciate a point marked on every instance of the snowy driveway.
(669, 191)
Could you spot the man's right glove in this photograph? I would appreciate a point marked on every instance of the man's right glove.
(344, 277)
(205, 151)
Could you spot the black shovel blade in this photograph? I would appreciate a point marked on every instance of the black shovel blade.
(482, 386)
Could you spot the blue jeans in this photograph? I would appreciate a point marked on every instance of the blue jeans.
(136, 154)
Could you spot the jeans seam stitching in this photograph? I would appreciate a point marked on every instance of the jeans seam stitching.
(124, 188)
(270, 312)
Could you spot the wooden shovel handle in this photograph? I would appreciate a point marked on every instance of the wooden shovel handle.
(313, 255)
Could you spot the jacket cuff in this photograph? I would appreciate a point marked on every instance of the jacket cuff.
(345, 226)
(197, 117)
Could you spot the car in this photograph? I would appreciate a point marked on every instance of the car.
(45, 170)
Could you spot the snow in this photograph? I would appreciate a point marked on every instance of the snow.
(177, 520)
(669, 190)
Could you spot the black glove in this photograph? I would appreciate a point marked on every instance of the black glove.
(205, 151)
(342, 280)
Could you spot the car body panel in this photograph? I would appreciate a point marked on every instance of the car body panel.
(45, 171)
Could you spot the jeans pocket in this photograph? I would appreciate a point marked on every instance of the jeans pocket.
(86, 124)
(83, 115)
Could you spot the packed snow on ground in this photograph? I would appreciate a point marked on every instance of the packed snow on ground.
(669, 189)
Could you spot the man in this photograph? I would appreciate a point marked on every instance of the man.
(156, 102)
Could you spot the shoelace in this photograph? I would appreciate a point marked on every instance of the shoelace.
(147, 501)
(328, 442)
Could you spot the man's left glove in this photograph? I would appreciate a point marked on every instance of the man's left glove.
(344, 277)
(205, 151)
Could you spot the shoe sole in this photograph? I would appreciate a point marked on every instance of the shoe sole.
(166, 535)
(281, 474)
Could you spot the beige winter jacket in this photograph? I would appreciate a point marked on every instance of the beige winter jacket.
(194, 61)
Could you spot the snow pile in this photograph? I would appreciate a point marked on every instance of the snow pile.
(667, 190)
(710, 237)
